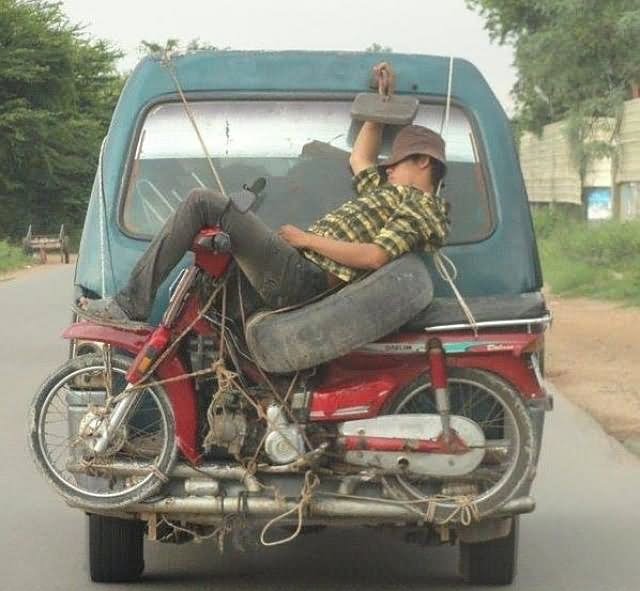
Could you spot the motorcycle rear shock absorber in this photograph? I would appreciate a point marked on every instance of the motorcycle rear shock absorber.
(439, 383)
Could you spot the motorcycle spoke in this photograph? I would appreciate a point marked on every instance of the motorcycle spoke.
(80, 400)
(63, 420)
(108, 372)
(61, 410)
(56, 456)
(497, 422)
(473, 401)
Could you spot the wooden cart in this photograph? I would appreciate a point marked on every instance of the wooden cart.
(43, 244)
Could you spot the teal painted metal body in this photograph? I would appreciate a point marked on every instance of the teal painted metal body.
(504, 263)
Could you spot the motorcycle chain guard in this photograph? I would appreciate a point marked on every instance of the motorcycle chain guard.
(416, 427)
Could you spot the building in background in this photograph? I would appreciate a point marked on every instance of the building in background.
(610, 189)
(628, 169)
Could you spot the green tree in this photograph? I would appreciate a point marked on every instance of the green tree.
(172, 45)
(57, 91)
(377, 48)
(575, 59)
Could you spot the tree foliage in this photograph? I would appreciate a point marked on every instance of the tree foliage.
(377, 48)
(575, 59)
(57, 92)
(172, 45)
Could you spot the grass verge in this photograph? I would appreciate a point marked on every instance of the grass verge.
(592, 259)
(11, 257)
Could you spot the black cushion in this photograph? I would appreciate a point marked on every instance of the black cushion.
(444, 311)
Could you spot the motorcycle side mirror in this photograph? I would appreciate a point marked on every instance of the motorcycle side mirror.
(392, 110)
(257, 187)
(243, 200)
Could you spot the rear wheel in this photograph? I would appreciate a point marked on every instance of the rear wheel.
(509, 443)
(116, 552)
(491, 563)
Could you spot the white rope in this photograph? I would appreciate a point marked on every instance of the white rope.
(192, 119)
(311, 482)
(466, 508)
(444, 128)
(102, 221)
(219, 532)
(441, 261)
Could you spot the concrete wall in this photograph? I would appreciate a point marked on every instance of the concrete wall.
(549, 170)
(629, 144)
(552, 177)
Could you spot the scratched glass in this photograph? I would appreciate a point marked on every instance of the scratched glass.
(300, 147)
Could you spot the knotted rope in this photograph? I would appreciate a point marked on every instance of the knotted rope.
(311, 483)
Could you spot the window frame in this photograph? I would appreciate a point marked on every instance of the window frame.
(199, 96)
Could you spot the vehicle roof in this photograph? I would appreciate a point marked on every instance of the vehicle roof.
(507, 262)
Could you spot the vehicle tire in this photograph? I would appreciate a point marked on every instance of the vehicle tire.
(509, 438)
(116, 552)
(63, 416)
(491, 563)
(360, 313)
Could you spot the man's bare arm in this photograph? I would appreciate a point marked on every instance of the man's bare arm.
(366, 147)
(357, 255)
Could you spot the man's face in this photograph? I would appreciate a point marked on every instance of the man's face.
(410, 171)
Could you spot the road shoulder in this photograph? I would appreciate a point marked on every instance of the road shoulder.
(592, 358)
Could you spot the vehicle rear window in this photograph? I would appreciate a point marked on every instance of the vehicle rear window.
(301, 148)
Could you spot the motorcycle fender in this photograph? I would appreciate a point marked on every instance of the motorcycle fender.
(514, 370)
(181, 393)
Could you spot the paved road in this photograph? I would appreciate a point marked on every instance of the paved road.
(583, 537)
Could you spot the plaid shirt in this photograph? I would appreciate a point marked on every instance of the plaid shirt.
(399, 219)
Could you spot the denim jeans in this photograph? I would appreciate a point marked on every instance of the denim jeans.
(277, 271)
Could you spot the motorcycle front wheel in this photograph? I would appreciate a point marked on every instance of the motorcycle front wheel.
(497, 408)
(65, 418)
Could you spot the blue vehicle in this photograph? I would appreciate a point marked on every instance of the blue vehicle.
(286, 117)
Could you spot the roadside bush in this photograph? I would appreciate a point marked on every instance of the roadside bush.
(11, 257)
(596, 259)
(547, 220)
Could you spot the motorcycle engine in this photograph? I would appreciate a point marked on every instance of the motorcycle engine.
(232, 421)
(284, 442)
(231, 428)
(228, 424)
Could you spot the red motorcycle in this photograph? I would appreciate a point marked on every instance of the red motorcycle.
(189, 426)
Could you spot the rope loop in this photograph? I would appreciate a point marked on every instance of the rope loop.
(441, 262)
(386, 78)
(311, 483)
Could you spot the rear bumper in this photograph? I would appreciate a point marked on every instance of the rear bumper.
(194, 496)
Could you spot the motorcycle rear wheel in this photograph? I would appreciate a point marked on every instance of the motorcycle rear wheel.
(499, 410)
(61, 417)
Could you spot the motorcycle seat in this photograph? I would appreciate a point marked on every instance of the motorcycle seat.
(446, 311)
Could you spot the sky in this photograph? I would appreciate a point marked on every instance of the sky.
(439, 27)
